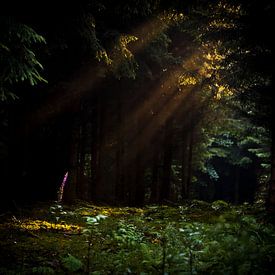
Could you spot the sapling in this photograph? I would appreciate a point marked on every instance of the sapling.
(88, 233)
(56, 212)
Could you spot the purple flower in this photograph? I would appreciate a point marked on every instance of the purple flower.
(61, 189)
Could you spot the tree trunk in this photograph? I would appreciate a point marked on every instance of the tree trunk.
(70, 190)
(237, 185)
(119, 185)
(167, 162)
(120, 167)
(132, 161)
(139, 182)
(184, 165)
(131, 181)
(189, 164)
(155, 177)
(81, 188)
(138, 188)
(95, 149)
(271, 191)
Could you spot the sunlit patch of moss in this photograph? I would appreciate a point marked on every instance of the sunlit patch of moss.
(85, 212)
(117, 211)
(109, 211)
(36, 225)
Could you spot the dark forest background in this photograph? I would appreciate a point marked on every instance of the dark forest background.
(140, 102)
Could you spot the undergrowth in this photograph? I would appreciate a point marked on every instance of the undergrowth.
(194, 238)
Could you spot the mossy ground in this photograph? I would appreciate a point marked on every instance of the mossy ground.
(193, 238)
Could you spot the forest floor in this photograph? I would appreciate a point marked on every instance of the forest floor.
(193, 238)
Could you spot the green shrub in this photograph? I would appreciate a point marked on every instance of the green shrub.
(219, 205)
(43, 270)
(127, 234)
(71, 263)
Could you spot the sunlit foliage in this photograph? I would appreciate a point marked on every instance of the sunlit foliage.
(36, 225)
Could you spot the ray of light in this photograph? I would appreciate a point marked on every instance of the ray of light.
(165, 100)
(159, 103)
(67, 95)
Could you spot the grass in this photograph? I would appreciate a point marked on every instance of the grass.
(193, 238)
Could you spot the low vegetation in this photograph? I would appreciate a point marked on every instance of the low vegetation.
(194, 238)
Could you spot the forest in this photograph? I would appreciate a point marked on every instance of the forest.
(136, 137)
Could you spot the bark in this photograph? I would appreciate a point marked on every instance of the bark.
(184, 165)
(70, 190)
(139, 182)
(134, 163)
(189, 164)
(85, 145)
(155, 177)
(131, 181)
(271, 191)
(167, 162)
(82, 186)
(237, 185)
(95, 149)
(120, 167)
